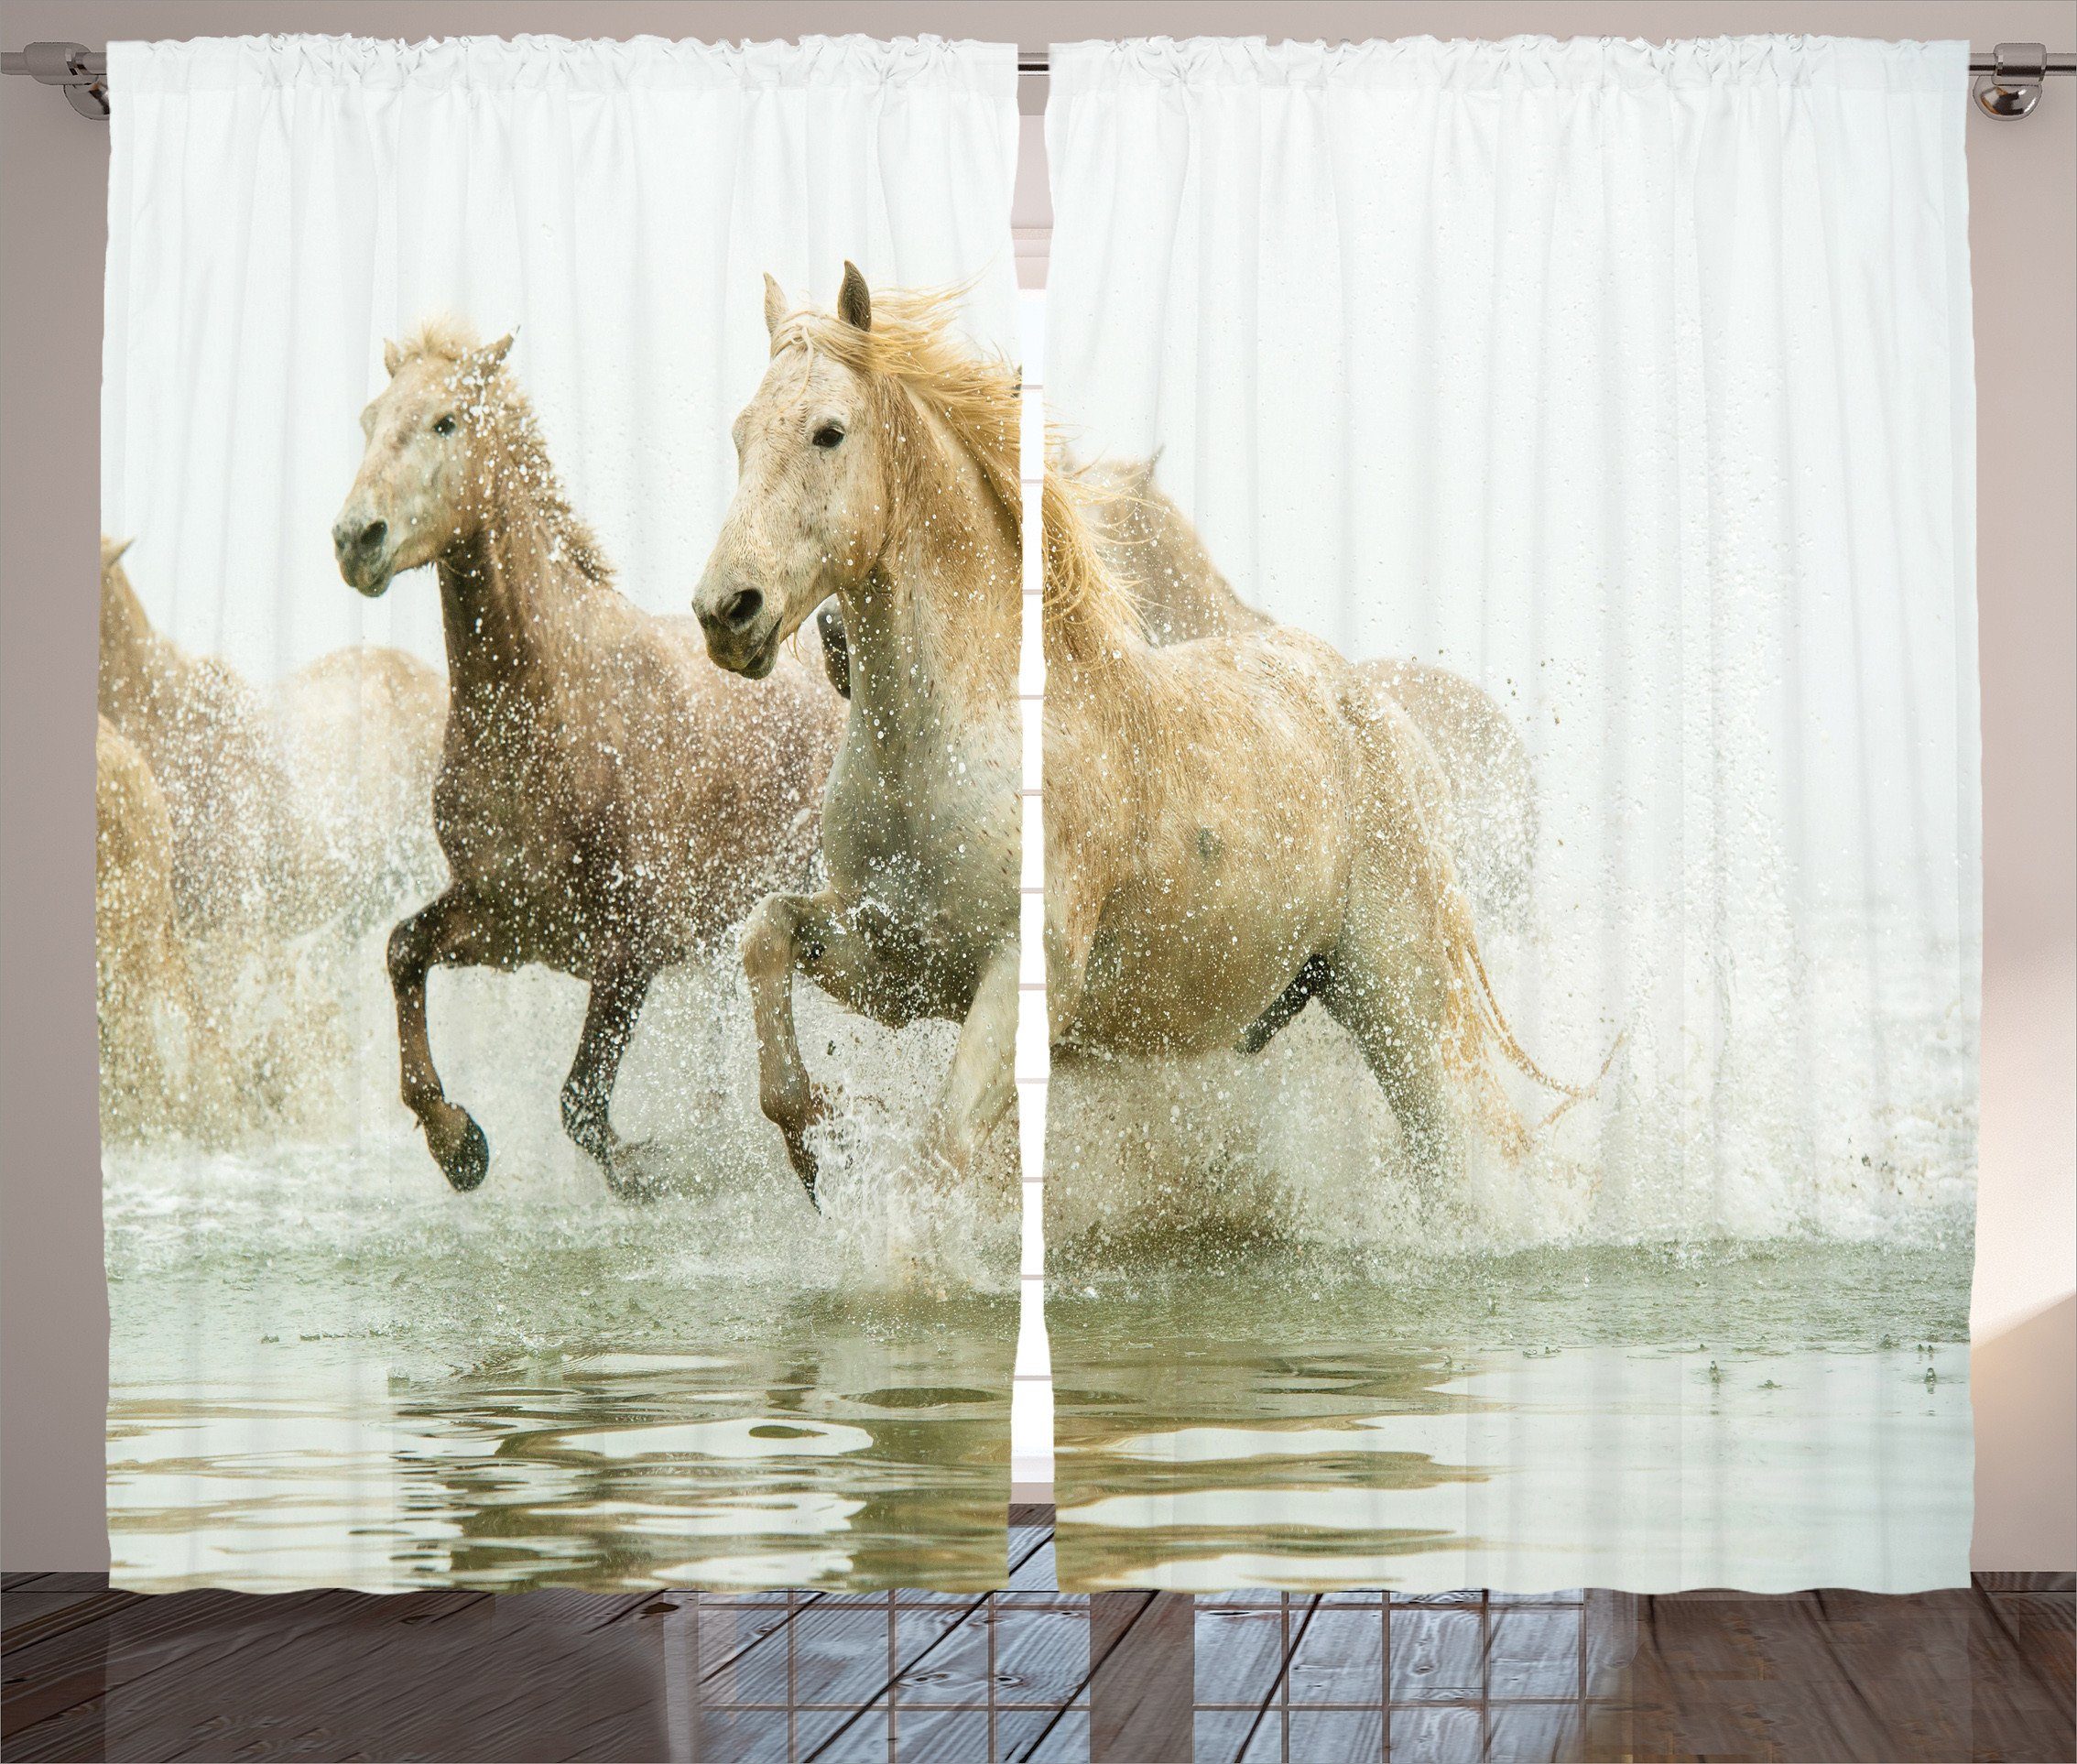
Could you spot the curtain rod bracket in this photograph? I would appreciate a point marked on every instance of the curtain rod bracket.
(82, 72)
(2012, 87)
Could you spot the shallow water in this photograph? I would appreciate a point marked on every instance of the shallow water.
(871, 1454)
(1768, 1416)
(328, 1370)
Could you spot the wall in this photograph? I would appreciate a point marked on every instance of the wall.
(53, 1315)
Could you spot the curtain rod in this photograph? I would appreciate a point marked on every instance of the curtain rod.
(2008, 78)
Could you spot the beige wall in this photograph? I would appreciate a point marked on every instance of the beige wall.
(53, 1315)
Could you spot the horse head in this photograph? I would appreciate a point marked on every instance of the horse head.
(812, 504)
(426, 477)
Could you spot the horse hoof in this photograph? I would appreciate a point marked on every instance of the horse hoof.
(466, 1166)
(631, 1172)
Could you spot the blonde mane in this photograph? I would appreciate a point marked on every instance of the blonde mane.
(1089, 616)
(522, 469)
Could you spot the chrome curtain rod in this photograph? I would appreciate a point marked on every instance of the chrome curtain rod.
(2008, 78)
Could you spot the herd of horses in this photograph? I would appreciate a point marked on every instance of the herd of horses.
(1238, 820)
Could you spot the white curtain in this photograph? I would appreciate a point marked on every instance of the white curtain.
(327, 1368)
(278, 206)
(1632, 383)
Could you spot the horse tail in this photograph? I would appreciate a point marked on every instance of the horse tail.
(1493, 1021)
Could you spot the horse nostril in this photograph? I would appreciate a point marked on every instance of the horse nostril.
(372, 534)
(741, 609)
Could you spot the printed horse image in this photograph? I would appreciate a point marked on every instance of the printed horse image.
(607, 802)
(878, 464)
(203, 733)
(360, 731)
(143, 995)
(1489, 816)
(1233, 825)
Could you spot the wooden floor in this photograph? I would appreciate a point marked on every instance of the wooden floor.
(1035, 1674)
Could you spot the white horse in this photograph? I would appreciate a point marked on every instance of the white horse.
(860, 479)
(1233, 825)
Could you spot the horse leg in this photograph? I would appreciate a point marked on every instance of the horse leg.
(786, 931)
(1398, 1024)
(444, 933)
(1310, 977)
(982, 1083)
(618, 989)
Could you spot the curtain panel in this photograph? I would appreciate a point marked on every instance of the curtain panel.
(447, 1242)
(1515, 974)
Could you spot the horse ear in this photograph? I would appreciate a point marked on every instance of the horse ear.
(854, 299)
(491, 354)
(775, 303)
(392, 357)
(112, 549)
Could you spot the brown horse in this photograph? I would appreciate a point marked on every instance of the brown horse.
(608, 802)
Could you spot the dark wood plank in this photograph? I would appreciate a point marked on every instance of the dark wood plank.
(1143, 1672)
(2064, 1581)
(156, 1678)
(30, 1614)
(1989, 1673)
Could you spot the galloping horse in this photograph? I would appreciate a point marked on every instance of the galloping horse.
(1232, 823)
(237, 860)
(879, 464)
(1148, 543)
(360, 730)
(608, 802)
(1489, 812)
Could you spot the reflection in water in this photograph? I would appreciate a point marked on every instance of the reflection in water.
(1766, 1417)
(328, 1370)
(868, 1459)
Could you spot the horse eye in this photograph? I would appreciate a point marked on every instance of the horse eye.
(827, 435)
(445, 426)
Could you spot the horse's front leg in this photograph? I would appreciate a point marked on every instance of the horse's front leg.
(788, 931)
(447, 932)
(618, 988)
(982, 1083)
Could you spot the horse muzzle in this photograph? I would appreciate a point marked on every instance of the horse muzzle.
(742, 628)
(367, 557)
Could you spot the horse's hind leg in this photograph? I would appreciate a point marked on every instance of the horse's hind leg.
(1396, 1018)
(1305, 984)
(618, 989)
(446, 932)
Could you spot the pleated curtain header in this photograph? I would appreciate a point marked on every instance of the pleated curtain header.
(1579, 63)
(597, 64)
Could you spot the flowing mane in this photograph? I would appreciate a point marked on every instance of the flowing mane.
(523, 466)
(1089, 616)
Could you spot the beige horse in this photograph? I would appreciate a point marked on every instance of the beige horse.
(1228, 820)
(205, 734)
(360, 732)
(608, 803)
(143, 997)
(859, 478)
(1489, 813)
(1148, 543)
